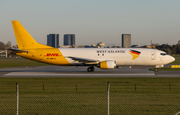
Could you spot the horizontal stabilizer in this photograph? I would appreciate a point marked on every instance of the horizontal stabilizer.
(18, 50)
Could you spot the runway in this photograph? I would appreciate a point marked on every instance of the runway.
(71, 71)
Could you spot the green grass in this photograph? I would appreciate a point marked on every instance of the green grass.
(8, 62)
(88, 95)
(177, 59)
(176, 56)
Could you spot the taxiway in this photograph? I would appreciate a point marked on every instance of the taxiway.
(71, 71)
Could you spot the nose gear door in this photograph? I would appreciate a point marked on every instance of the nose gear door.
(153, 55)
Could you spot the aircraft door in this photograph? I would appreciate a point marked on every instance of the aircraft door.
(39, 55)
(153, 55)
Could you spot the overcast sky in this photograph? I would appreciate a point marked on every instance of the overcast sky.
(94, 21)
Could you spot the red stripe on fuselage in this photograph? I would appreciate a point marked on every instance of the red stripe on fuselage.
(135, 52)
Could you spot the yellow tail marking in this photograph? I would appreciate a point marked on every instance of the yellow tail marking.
(24, 40)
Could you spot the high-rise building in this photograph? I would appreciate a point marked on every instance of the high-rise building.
(53, 40)
(69, 39)
(126, 40)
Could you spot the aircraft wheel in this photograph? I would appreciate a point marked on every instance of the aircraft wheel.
(90, 69)
(156, 70)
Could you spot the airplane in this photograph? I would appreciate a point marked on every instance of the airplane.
(103, 58)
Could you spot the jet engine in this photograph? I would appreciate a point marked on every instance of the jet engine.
(108, 64)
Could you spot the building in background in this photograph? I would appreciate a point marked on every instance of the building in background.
(126, 40)
(101, 45)
(3, 53)
(69, 39)
(53, 40)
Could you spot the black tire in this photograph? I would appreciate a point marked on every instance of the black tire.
(92, 69)
(89, 69)
(156, 70)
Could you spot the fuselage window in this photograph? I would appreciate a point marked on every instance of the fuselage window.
(98, 54)
(102, 54)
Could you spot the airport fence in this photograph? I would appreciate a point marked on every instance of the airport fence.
(112, 100)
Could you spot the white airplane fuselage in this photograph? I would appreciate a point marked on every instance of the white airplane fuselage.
(120, 55)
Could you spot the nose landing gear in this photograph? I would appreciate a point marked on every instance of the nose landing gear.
(156, 69)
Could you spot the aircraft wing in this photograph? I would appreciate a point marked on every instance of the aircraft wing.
(84, 60)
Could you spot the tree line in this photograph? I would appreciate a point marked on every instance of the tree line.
(169, 49)
(4, 46)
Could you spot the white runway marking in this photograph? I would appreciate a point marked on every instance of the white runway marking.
(165, 75)
(49, 74)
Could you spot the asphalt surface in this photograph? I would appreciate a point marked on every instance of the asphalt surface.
(72, 71)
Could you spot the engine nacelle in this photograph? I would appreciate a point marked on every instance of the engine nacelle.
(109, 64)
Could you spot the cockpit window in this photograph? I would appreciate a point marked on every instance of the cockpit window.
(163, 54)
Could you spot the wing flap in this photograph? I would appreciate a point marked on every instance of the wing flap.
(84, 60)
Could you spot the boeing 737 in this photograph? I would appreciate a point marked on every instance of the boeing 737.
(103, 58)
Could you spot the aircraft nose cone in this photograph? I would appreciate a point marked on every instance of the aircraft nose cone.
(171, 59)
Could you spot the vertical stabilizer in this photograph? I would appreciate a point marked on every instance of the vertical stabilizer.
(24, 40)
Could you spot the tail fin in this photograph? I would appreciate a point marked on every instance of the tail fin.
(24, 39)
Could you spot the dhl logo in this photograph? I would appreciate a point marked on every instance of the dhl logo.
(52, 54)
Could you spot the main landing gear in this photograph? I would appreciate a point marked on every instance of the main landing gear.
(90, 69)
